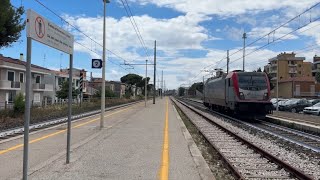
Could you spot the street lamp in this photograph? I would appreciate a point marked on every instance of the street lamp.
(103, 88)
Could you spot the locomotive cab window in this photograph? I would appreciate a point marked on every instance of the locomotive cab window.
(253, 82)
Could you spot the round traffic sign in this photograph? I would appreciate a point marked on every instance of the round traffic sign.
(96, 63)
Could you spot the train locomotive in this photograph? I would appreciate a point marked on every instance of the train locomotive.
(241, 93)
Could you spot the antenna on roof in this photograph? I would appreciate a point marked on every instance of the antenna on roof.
(44, 60)
(60, 61)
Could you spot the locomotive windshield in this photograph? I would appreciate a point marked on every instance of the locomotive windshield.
(252, 82)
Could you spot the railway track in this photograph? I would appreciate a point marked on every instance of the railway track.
(245, 160)
(303, 139)
(37, 126)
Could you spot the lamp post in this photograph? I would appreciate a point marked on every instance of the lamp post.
(103, 88)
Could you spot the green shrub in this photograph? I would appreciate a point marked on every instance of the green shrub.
(19, 104)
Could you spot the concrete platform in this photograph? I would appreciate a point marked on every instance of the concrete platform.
(131, 146)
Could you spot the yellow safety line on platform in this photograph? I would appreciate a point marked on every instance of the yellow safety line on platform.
(164, 169)
(58, 132)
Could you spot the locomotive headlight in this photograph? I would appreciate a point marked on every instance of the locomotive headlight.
(265, 96)
(241, 95)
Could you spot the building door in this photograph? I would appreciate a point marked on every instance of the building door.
(297, 90)
(312, 90)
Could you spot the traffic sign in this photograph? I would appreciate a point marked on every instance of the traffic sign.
(46, 32)
(96, 63)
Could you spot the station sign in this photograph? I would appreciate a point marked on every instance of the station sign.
(46, 32)
(96, 63)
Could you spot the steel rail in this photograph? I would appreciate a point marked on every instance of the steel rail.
(19, 130)
(275, 133)
(292, 170)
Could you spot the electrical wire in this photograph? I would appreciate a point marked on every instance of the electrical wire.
(60, 17)
(135, 26)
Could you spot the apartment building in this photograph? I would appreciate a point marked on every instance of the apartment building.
(294, 76)
(315, 65)
(13, 78)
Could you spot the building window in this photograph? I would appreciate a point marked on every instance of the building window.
(21, 77)
(60, 80)
(36, 97)
(299, 65)
(10, 75)
(38, 79)
(10, 96)
(299, 72)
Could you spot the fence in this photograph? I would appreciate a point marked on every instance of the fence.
(50, 102)
(306, 94)
(6, 105)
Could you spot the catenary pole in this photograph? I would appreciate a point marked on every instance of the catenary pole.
(228, 59)
(277, 84)
(103, 84)
(69, 109)
(244, 50)
(145, 86)
(27, 112)
(161, 83)
(154, 72)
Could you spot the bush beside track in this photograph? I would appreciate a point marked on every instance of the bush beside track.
(9, 119)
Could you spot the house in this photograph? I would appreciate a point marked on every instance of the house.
(116, 87)
(13, 78)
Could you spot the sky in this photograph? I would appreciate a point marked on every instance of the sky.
(192, 36)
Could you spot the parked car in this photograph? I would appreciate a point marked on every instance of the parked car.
(315, 109)
(294, 105)
(280, 101)
(314, 101)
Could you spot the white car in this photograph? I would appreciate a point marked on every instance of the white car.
(315, 109)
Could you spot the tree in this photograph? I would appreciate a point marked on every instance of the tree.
(317, 77)
(108, 92)
(131, 79)
(181, 91)
(11, 23)
(196, 86)
(259, 70)
(18, 104)
(64, 91)
(142, 84)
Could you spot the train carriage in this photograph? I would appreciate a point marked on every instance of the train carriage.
(246, 93)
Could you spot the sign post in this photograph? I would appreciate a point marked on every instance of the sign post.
(44, 31)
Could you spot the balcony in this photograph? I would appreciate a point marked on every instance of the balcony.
(292, 65)
(10, 85)
(42, 87)
(273, 71)
(293, 71)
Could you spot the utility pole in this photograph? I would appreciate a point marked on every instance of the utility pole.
(154, 72)
(228, 59)
(145, 87)
(161, 83)
(203, 87)
(103, 88)
(244, 49)
(277, 85)
(164, 88)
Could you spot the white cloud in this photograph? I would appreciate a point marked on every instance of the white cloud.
(229, 8)
(312, 30)
(182, 32)
(258, 32)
